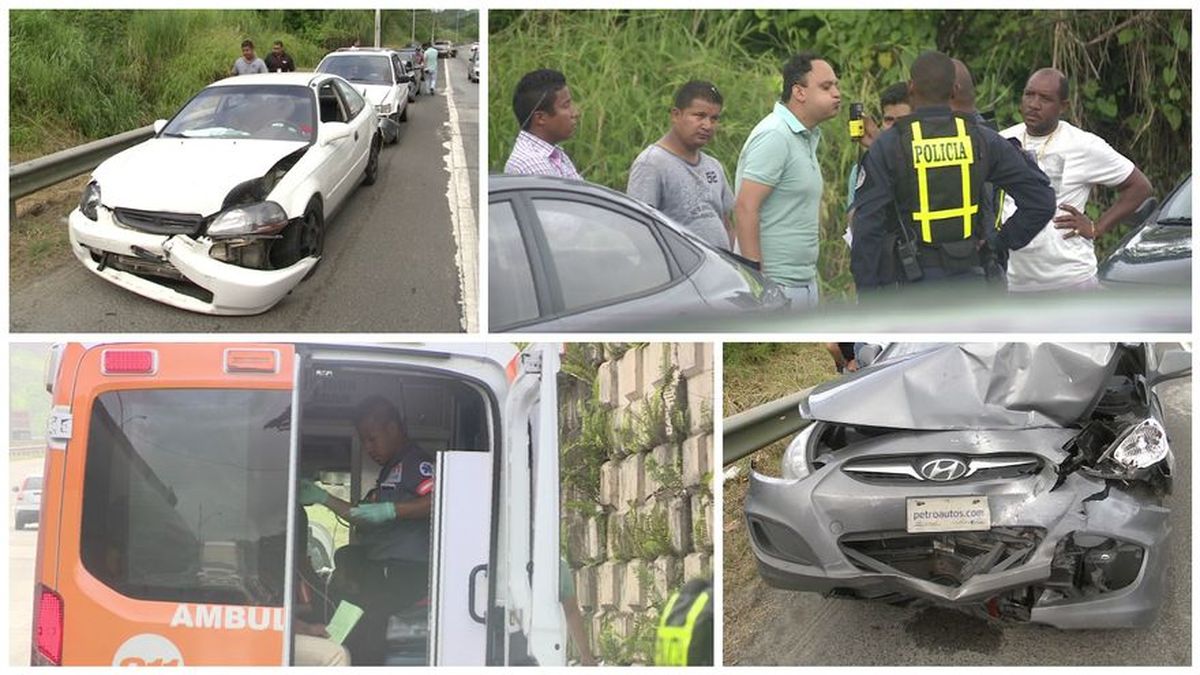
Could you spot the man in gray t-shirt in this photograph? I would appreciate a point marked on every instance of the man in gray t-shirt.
(249, 63)
(675, 177)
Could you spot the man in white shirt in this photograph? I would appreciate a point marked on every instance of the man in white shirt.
(1062, 256)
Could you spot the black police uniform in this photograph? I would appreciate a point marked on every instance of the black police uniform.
(928, 172)
(390, 563)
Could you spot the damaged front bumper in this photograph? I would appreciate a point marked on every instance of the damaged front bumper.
(1083, 553)
(182, 272)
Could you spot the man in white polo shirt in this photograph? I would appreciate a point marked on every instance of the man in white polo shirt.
(1063, 256)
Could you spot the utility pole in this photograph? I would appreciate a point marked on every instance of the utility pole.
(378, 28)
(413, 36)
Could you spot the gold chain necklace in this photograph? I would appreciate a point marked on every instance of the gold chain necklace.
(1042, 150)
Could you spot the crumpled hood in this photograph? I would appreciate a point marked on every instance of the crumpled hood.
(970, 386)
(185, 175)
(374, 93)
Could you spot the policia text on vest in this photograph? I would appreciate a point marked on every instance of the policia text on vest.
(917, 214)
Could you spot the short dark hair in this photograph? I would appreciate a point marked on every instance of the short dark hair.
(278, 43)
(694, 89)
(895, 94)
(796, 71)
(933, 76)
(247, 43)
(536, 91)
(379, 410)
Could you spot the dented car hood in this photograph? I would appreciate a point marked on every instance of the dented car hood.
(185, 175)
(970, 386)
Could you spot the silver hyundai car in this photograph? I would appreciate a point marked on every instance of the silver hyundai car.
(1018, 482)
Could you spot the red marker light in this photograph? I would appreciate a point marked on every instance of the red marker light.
(48, 625)
(128, 362)
(251, 361)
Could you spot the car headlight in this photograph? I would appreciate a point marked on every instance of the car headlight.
(254, 219)
(89, 201)
(795, 459)
(385, 108)
(1145, 444)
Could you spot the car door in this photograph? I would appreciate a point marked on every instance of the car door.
(601, 265)
(401, 87)
(363, 122)
(338, 173)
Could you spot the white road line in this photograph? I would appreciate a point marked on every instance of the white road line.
(462, 216)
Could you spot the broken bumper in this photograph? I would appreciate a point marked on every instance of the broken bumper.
(227, 289)
(803, 534)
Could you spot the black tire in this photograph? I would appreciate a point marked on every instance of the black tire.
(403, 118)
(411, 96)
(303, 238)
(372, 172)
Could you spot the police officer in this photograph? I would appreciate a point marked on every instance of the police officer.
(388, 569)
(685, 629)
(917, 215)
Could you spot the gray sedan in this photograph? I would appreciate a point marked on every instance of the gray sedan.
(572, 256)
(1016, 482)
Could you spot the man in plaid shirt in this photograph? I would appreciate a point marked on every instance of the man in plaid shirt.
(547, 116)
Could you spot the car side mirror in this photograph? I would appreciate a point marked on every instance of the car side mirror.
(868, 354)
(1174, 363)
(332, 132)
(1143, 212)
(405, 79)
(159, 125)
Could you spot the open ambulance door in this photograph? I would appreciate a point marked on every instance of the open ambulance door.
(528, 553)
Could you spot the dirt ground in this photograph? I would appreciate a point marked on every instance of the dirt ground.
(38, 239)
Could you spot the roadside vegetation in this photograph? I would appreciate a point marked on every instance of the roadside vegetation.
(1130, 70)
(756, 373)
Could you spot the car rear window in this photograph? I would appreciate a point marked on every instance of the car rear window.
(184, 494)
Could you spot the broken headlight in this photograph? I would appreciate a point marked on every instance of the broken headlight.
(795, 458)
(385, 108)
(89, 201)
(1143, 445)
(264, 218)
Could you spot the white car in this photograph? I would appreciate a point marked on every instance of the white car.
(224, 210)
(381, 77)
(473, 74)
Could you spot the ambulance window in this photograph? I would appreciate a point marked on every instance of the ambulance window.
(185, 494)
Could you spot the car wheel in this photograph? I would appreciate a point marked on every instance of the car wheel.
(403, 118)
(303, 238)
(411, 96)
(372, 172)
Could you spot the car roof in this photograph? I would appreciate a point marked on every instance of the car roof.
(297, 78)
(360, 50)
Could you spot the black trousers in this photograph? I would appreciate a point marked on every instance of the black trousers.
(380, 588)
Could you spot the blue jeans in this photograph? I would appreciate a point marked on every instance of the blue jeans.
(431, 79)
(802, 295)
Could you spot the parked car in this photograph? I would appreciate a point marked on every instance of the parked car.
(224, 210)
(572, 256)
(473, 73)
(1159, 251)
(381, 77)
(28, 501)
(1015, 482)
(445, 49)
(414, 58)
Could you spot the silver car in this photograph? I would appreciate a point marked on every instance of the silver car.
(1017, 482)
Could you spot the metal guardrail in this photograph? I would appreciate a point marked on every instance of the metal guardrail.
(37, 174)
(759, 427)
(26, 450)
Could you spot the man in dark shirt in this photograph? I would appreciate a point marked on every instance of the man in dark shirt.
(387, 571)
(279, 61)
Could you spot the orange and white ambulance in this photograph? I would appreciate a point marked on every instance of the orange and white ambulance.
(171, 490)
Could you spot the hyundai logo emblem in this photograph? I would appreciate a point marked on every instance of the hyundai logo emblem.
(943, 469)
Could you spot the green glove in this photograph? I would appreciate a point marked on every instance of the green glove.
(374, 514)
(310, 493)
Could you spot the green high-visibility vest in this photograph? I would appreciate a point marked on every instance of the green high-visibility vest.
(674, 642)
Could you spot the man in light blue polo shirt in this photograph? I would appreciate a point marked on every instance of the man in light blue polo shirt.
(779, 181)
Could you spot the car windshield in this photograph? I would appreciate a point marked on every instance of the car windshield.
(276, 112)
(33, 483)
(360, 68)
(1178, 209)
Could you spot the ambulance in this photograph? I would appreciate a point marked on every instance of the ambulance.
(171, 490)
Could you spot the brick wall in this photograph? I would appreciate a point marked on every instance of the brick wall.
(651, 526)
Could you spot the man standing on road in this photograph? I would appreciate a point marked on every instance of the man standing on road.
(388, 569)
(249, 63)
(917, 215)
(547, 116)
(677, 178)
(431, 67)
(279, 61)
(1063, 255)
(779, 182)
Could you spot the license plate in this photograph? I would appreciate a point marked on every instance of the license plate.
(948, 514)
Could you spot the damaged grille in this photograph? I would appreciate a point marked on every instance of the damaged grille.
(160, 222)
(940, 468)
(949, 559)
